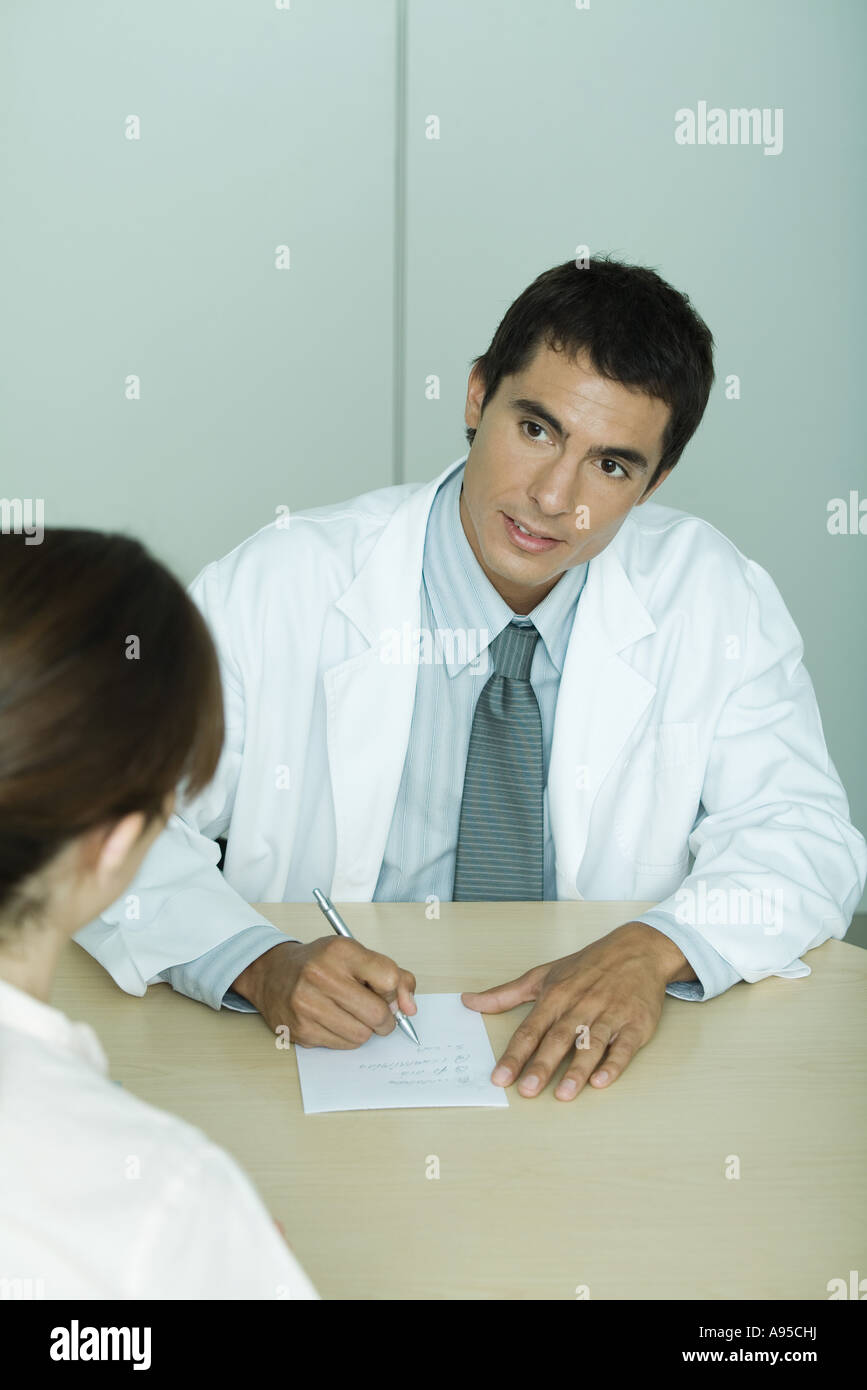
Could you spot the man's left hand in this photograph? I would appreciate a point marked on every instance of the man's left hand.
(603, 1004)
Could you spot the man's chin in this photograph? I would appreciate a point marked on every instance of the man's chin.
(526, 573)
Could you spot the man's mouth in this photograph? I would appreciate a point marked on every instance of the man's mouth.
(525, 538)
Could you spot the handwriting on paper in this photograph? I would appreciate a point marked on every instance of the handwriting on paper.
(452, 1066)
(428, 1066)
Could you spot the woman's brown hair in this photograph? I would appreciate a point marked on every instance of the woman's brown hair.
(109, 695)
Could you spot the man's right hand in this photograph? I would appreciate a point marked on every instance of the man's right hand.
(332, 992)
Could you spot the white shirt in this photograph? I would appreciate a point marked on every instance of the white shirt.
(104, 1196)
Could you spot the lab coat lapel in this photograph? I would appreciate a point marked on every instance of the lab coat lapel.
(370, 697)
(600, 700)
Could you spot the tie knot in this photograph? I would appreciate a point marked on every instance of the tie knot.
(512, 651)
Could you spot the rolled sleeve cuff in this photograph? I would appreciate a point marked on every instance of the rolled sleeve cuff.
(208, 978)
(714, 974)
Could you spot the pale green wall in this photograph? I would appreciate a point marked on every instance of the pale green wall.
(259, 128)
(263, 126)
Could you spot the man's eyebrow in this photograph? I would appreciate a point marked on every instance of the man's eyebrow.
(620, 451)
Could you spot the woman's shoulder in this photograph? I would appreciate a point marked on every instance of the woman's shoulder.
(153, 1207)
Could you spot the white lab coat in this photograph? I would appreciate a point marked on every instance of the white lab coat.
(686, 727)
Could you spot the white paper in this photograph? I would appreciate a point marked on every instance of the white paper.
(452, 1067)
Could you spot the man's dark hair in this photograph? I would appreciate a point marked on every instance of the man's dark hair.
(634, 326)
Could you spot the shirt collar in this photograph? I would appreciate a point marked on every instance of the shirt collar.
(464, 600)
(27, 1014)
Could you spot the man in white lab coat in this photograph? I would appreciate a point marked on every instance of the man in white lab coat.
(522, 680)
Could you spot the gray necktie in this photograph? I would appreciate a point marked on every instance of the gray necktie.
(500, 851)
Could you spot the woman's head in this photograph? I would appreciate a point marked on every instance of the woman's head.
(109, 699)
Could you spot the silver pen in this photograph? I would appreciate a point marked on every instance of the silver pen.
(336, 921)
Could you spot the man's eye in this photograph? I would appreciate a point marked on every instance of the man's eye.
(534, 425)
(623, 471)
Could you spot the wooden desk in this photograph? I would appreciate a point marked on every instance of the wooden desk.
(623, 1189)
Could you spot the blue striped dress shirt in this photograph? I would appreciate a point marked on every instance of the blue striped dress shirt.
(458, 599)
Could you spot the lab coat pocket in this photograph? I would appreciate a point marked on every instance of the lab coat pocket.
(658, 798)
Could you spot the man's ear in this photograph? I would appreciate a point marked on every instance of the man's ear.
(651, 490)
(475, 396)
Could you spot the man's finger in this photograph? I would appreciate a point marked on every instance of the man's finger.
(592, 1064)
(619, 1055)
(368, 984)
(380, 972)
(336, 981)
(405, 994)
(389, 1024)
(502, 997)
(313, 1008)
(555, 1045)
(365, 983)
(523, 1043)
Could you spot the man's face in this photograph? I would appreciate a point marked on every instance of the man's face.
(549, 454)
